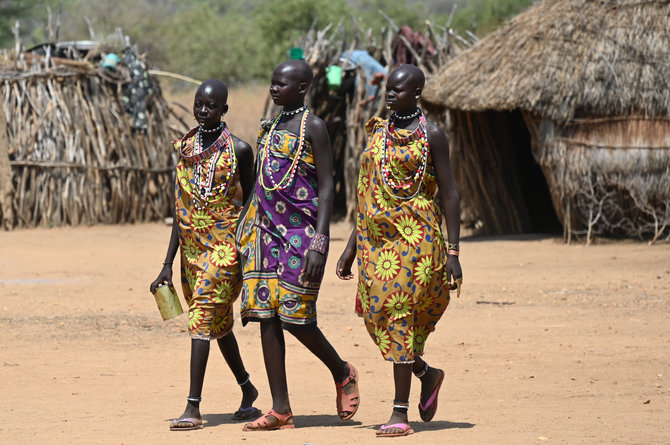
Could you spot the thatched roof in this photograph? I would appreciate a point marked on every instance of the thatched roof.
(566, 58)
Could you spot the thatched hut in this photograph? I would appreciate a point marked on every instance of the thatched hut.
(70, 150)
(562, 118)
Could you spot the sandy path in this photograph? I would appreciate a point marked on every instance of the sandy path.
(548, 344)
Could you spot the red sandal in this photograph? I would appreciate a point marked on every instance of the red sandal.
(348, 403)
(271, 421)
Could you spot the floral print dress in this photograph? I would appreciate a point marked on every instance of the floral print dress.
(210, 272)
(402, 256)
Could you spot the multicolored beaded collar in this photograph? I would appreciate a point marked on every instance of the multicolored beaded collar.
(221, 142)
(393, 183)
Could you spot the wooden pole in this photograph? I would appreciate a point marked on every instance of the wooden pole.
(6, 189)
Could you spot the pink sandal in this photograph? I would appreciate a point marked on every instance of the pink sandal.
(271, 421)
(405, 430)
(348, 403)
(427, 410)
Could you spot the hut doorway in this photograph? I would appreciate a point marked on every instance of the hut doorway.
(534, 187)
(502, 187)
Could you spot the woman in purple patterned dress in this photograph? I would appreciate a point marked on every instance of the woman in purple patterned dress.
(283, 243)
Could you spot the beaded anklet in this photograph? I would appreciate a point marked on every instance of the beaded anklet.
(422, 372)
(400, 406)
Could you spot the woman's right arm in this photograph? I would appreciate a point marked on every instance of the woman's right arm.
(165, 275)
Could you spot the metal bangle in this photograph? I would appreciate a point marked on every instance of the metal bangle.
(245, 380)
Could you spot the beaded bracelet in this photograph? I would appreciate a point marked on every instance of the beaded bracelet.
(319, 243)
(453, 246)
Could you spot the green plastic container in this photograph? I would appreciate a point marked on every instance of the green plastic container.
(334, 77)
(296, 53)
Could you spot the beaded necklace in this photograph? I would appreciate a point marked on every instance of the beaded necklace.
(294, 112)
(265, 166)
(223, 144)
(392, 182)
(213, 130)
(409, 116)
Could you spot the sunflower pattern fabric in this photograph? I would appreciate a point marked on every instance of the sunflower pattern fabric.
(210, 272)
(274, 235)
(402, 256)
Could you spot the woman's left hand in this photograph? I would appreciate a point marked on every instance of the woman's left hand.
(314, 265)
(454, 271)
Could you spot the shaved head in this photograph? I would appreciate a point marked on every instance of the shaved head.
(296, 69)
(410, 73)
(216, 89)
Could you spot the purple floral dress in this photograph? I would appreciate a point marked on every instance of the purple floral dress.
(275, 232)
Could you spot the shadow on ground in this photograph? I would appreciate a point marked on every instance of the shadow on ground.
(316, 420)
(429, 426)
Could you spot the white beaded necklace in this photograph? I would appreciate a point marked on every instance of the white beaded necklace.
(288, 177)
(212, 130)
(294, 112)
(207, 188)
(396, 116)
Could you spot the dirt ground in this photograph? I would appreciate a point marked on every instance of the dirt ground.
(548, 344)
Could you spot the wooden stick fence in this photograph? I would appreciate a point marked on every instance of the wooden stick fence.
(73, 155)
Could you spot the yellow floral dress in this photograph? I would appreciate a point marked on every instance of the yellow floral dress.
(402, 288)
(210, 273)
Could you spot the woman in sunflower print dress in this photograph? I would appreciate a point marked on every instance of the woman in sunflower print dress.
(405, 267)
(207, 205)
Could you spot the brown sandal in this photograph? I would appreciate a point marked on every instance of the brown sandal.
(271, 421)
(348, 403)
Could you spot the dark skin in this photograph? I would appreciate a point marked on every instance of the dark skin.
(403, 90)
(209, 106)
(290, 81)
